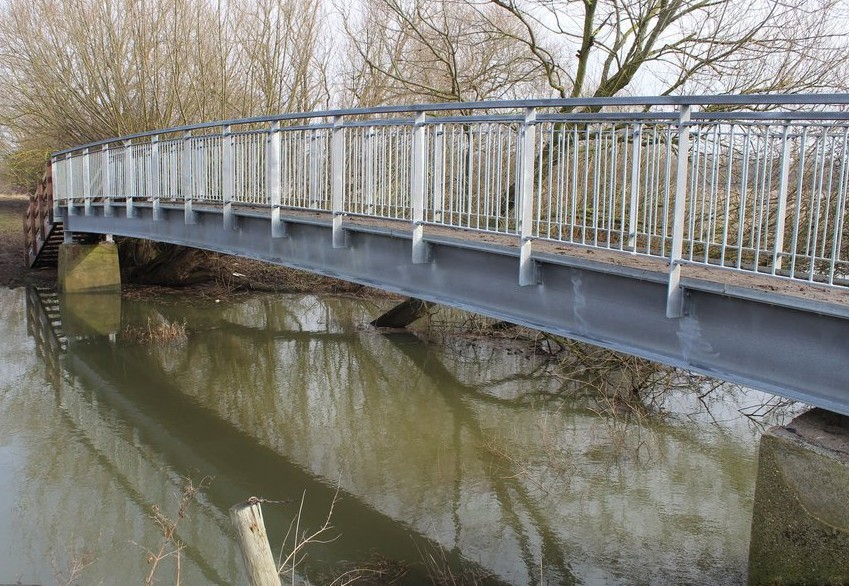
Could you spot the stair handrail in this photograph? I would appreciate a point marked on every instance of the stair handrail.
(39, 216)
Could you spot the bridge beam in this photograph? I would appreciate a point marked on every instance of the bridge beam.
(792, 347)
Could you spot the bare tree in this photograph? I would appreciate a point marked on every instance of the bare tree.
(435, 50)
(76, 71)
(279, 61)
(477, 49)
(682, 46)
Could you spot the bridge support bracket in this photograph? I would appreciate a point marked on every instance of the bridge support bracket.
(339, 234)
(800, 519)
(279, 227)
(422, 250)
(530, 273)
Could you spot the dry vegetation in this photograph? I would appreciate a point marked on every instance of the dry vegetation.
(156, 331)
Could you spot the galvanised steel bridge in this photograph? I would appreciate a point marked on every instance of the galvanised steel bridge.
(703, 232)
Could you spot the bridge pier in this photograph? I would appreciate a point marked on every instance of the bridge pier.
(800, 521)
(89, 268)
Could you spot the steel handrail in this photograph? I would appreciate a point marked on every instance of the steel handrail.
(751, 191)
(834, 99)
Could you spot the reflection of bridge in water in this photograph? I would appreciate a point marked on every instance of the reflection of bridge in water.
(712, 240)
(148, 433)
(300, 401)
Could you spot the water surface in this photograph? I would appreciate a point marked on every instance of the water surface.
(464, 455)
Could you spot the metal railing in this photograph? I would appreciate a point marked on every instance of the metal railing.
(747, 183)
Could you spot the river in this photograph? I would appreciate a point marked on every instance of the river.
(465, 457)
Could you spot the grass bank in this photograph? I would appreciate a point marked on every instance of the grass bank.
(13, 269)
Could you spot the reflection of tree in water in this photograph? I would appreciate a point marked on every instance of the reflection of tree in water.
(395, 415)
(321, 378)
(270, 372)
(512, 495)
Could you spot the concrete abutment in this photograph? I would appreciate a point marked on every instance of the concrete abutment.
(800, 519)
(89, 268)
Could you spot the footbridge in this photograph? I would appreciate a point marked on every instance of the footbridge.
(702, 232)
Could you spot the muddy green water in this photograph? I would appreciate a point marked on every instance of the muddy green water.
(450, 455)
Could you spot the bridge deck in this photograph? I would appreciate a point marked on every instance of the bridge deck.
(712, 276)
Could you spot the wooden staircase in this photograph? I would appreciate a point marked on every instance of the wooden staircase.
(42, 234)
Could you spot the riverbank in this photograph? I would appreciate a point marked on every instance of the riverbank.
(13, 269)
(222, 275)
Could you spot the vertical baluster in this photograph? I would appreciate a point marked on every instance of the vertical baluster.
(86, 183)
(67, 235)
(840, 209)
(188, 191)
(129, 179)
(438, 172)
(155, 179)
(106, 182)
(316, 164)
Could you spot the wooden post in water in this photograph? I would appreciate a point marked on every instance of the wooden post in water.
(253, 541)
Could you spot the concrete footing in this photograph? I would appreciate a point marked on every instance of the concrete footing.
(89, 268)
(800, 520)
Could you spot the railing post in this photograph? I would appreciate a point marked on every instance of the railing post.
(674, 294)
(417, 189)
(274, 179)
(106, 182)
(188, 193)
(438, 173)
(368, 169)
(155, 192)
(525, 197)
(57, 212)
(69, 185)
(67, 235)
(228, 177)
(781, 208)
(87, 209)
(337, 172)
(636, 136)
(129, 178)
